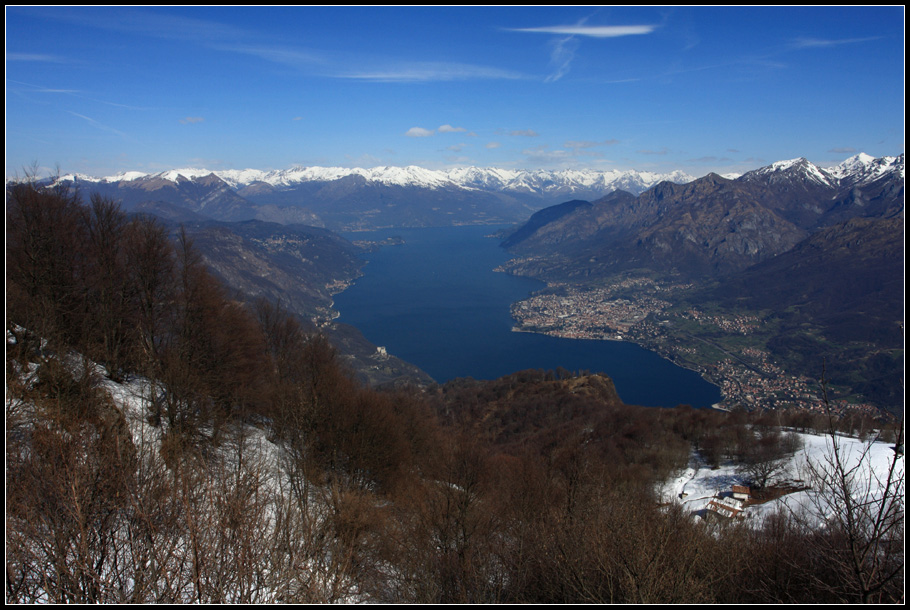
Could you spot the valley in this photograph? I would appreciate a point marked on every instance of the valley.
(455, 305)
(727, 349)
(763, 283)
(766, 284)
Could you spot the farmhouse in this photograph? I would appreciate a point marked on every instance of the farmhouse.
(741, 492)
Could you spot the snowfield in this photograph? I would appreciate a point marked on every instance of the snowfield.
(698, 484)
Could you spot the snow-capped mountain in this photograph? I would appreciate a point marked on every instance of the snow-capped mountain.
(782, 171)
(811, 196)
(485, 179)
(357, 198)
(857, 170)
(863, 168)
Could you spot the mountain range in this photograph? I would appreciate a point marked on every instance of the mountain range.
(817, 254)
(708, 227)
(532, 182)
(358, 199)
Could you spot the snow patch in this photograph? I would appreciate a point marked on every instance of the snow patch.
(696, 486)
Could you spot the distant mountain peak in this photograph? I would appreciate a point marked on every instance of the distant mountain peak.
(863, 168)
(800, 169)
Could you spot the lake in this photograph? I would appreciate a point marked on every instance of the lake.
(436, 302)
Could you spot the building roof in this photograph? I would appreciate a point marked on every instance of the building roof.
(725, 510)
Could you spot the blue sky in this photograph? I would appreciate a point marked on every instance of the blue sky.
(103, 90)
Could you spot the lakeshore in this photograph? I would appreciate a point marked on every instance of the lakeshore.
(435, 301)
(725, 348)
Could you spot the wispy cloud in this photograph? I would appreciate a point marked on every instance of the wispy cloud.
(238, 40)
(158, 25)
(287, 56)
(709, 159)
(418, 72)
(568, 156)
(418, 132)
(450, 129)
(526, 133)
(31, 88)
(36, 57)
(561, 57)
(39, 89)
(564, 49)
(579, 144)
(815, 43)
(593, 31)
(542, 156)
(98, 125)
(843, 150)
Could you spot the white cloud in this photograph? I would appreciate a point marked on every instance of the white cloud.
(564, 49)
(492, 145)
(594, 31)
(418, 132)
(528, 133)
(450, 129)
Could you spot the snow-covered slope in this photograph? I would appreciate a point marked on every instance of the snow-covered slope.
(698, 485)
(863, 168)
(856, 171)
(793, 169)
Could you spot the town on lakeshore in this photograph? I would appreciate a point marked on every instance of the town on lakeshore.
(723, 347)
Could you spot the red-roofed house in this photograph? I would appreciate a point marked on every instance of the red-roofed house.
(741, 492)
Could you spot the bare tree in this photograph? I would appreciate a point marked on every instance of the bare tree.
(109, 322)
(760, 462)
(863, 509)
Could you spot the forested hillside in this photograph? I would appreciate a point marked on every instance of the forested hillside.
(166, 443)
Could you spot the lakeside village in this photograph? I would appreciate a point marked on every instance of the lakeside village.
(748, 378)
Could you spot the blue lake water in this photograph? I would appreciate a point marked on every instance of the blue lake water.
(436, 302)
